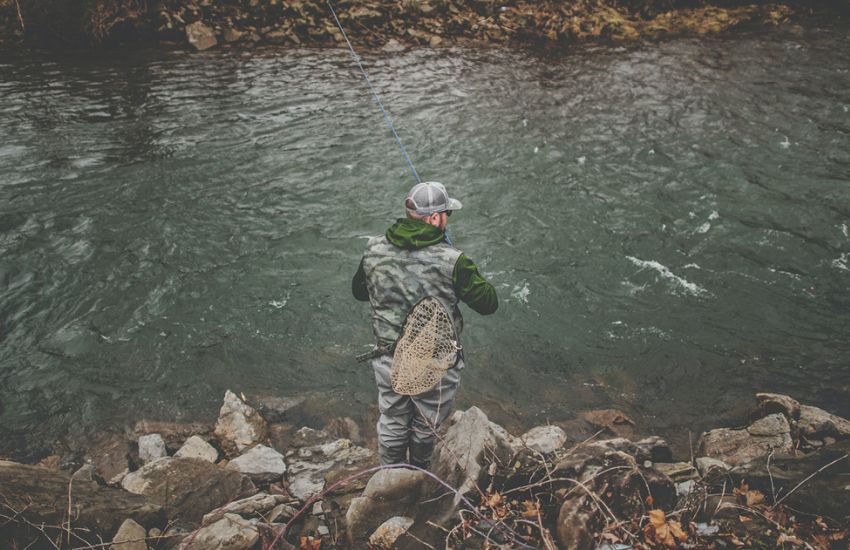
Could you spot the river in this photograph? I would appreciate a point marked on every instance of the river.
(667, 226)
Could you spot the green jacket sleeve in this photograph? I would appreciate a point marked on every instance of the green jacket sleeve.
(358, 285)
(472, 288)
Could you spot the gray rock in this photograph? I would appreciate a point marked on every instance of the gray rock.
(818, 423)
(239, 426)
(685, 488)
(231, 532)
(677, 471)
(389, 493)
(471, 443)
(110, 459)
(323, 530)
(825, 492)
(736, 447)
(273, 408)
(196, 447)
(130, 536)
(41, 495)
(151, 447)
(256, 505)
(200, 36)
(84, 473)
(260, 463)
(309, 466)
(707, 465)
(770, 403)
(386, 535)
(188, 487)
(544, 439)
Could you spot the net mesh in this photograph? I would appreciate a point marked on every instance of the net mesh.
(427, 348)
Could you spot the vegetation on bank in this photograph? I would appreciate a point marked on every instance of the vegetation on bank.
(376, 22)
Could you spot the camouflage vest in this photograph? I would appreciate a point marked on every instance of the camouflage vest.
(397, 279)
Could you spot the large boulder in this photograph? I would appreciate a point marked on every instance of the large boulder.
(471, 443)
(734, 447)
(311, 467)
(239, 425)
(188, 487)
(231, 532)
(261, 463)
(40, 496)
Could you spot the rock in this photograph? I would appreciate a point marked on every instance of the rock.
(130, 536)
(229, 533)
(707, 465)
(256, 505)
(175, 434)
(50, 462)
(736, 447)
(276, 37)
(770, 403)
(677, 471)
(544, 439)
(318, 508)
(188, 487)
(616, 479)
(41, 497)
(200, 36)
(345, 428)
(273, 408)
(826, 491)
(196, 447)
(323, 530)
(110, 459)
(471, 443)
(260, 463)
(151, 447)
(365, 15)
(232, 35)
(386, 535)
(389, 493)
(239, 426)
(84, 474)
(685, 488)
(818, 423)
(393, 46)
(612, 420)
(310, 466)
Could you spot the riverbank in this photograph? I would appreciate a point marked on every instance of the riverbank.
(255, 480)
(203, 24)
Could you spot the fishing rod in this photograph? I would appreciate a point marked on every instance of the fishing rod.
(389, 121)
(387, 118)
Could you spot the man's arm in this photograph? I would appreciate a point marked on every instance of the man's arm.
(472, 288)
(358, 285)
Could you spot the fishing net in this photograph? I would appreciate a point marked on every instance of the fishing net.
(427, 348)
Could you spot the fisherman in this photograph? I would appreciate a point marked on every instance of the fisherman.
(414, 260)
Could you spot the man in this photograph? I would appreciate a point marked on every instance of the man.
(411, 261)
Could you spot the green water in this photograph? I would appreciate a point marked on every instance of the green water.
(666, 225)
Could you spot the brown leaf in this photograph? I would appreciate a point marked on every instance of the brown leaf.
(754, 497)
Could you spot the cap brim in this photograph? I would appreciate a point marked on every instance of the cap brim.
(454, 204)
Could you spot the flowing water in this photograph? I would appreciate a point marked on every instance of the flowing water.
(667, 226)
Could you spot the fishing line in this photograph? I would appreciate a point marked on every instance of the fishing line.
(374, 94)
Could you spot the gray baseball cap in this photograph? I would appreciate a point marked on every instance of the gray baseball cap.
(429, 197)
